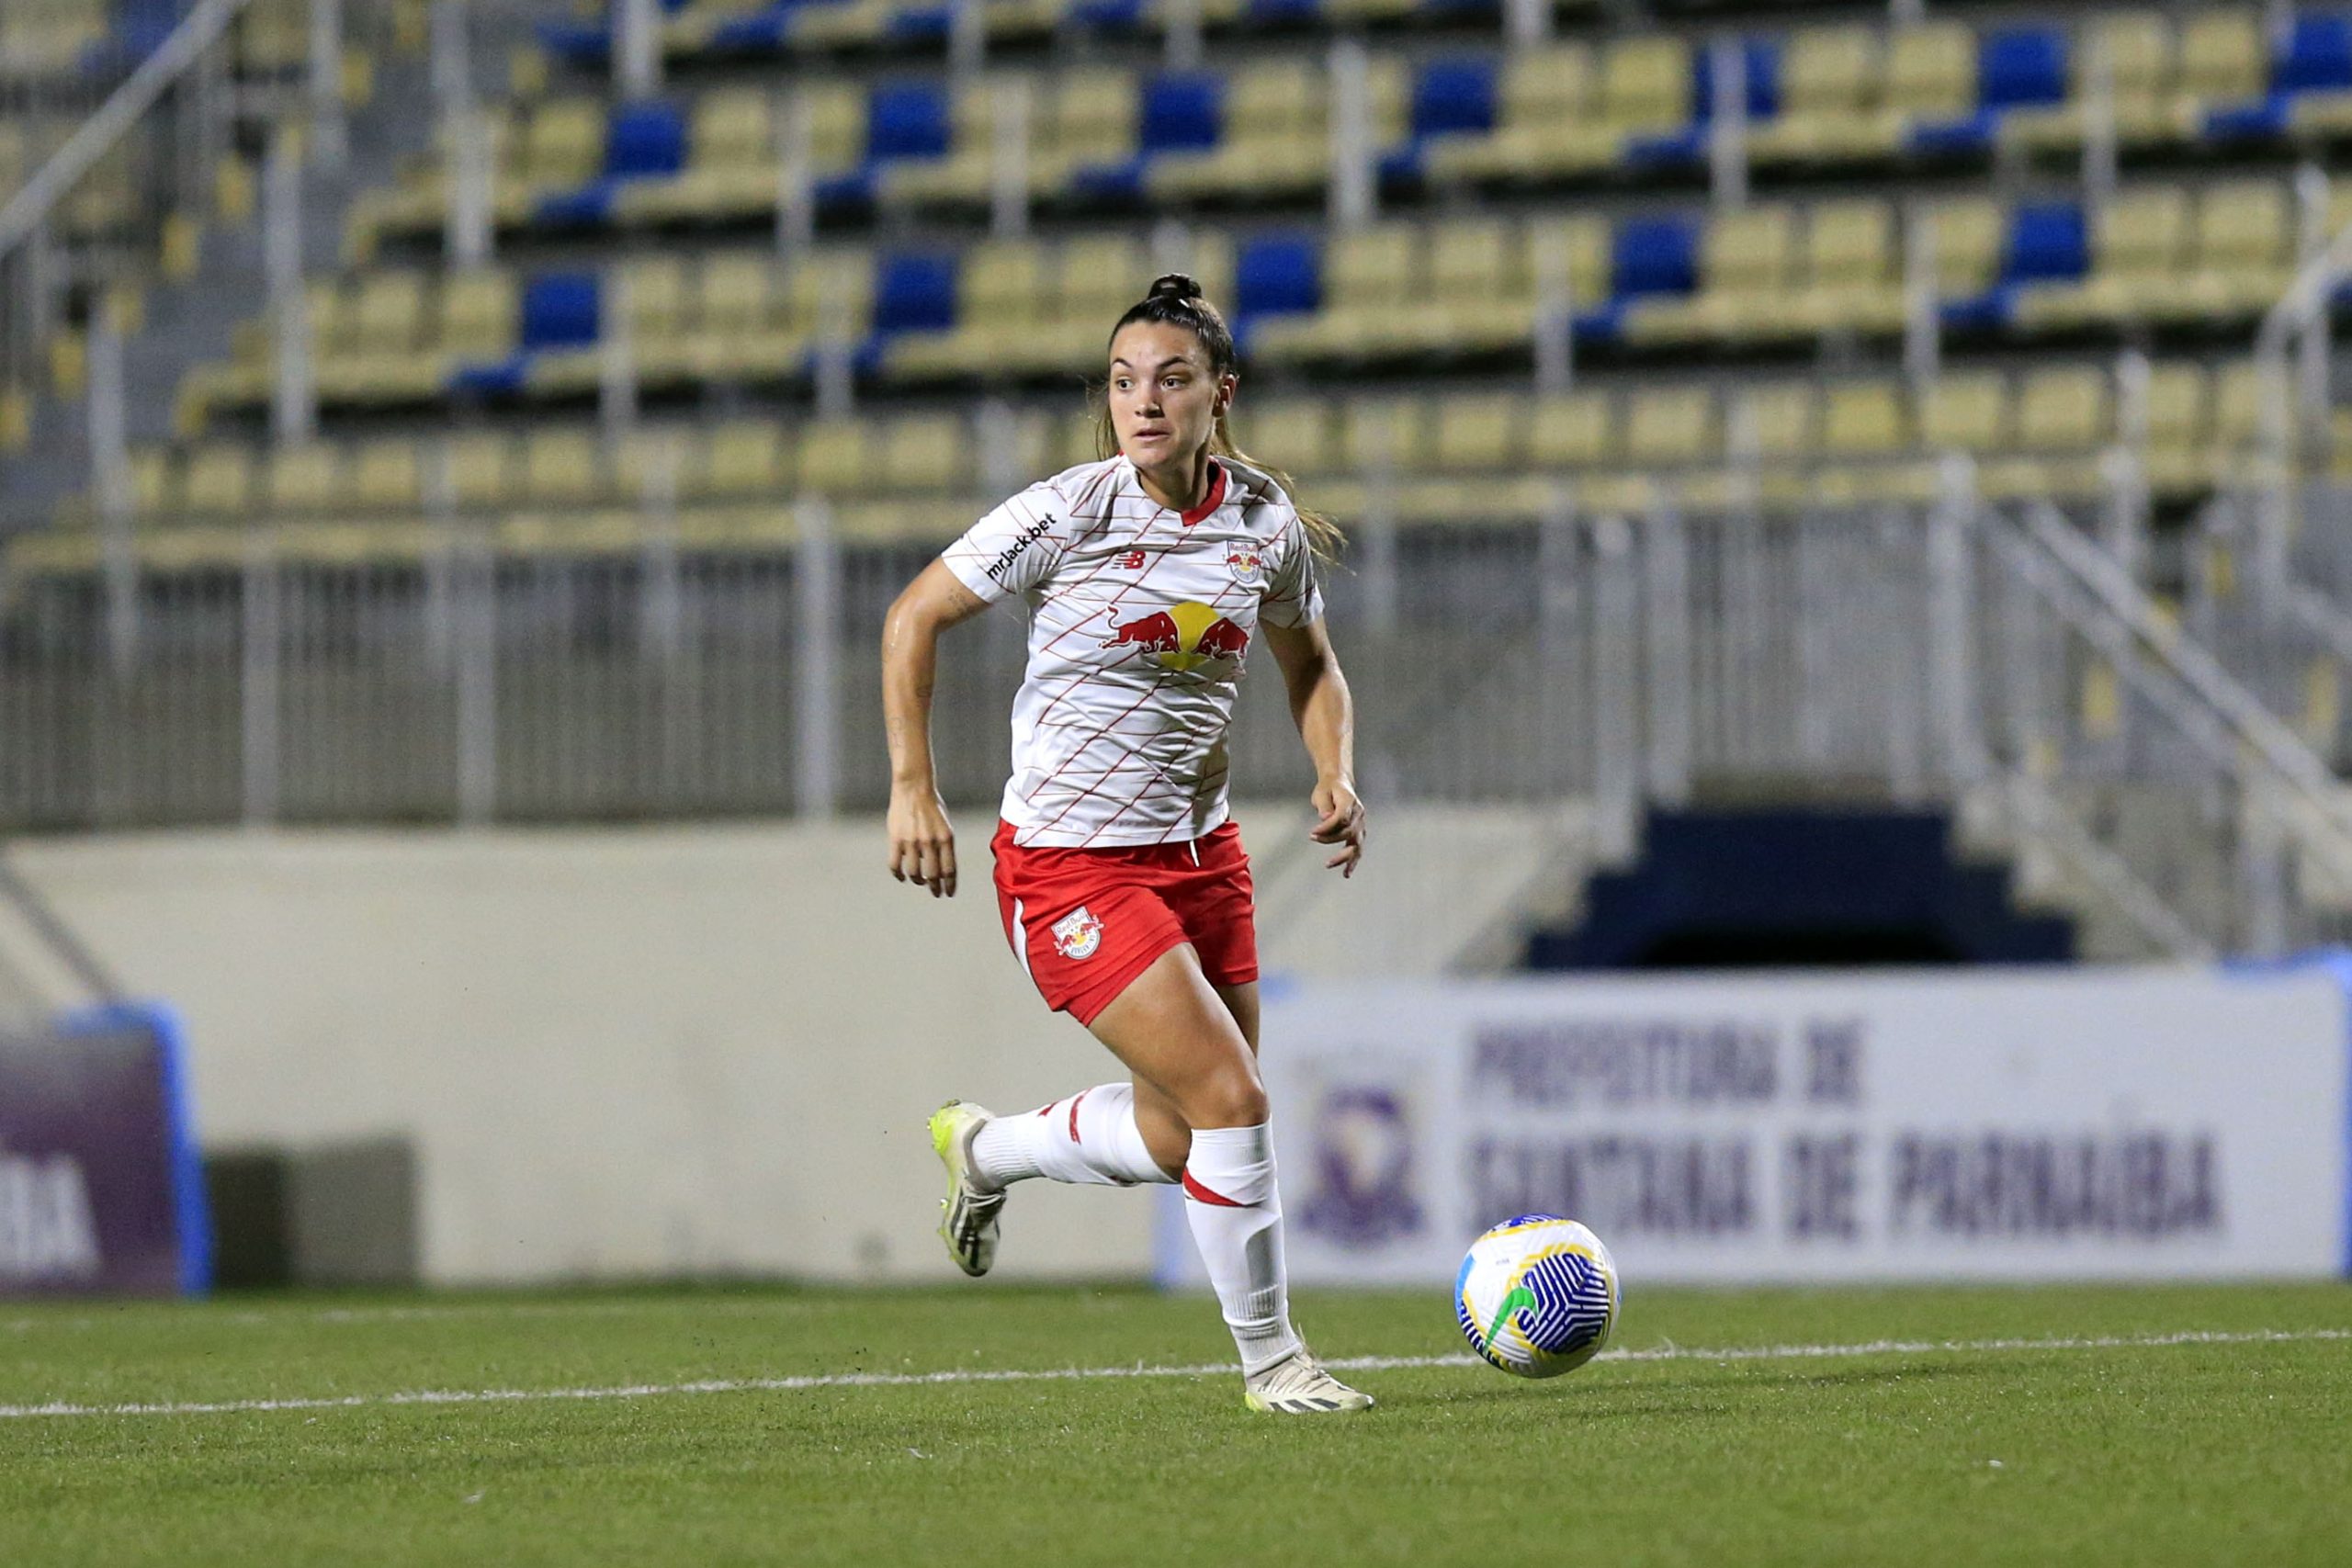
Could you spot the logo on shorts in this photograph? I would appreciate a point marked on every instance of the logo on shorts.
(1078, 934)
(1249, 566)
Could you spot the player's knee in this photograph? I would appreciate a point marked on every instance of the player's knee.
(1232, 1096)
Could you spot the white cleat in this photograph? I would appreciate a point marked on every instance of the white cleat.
(1297, 1385)
(968, 1222)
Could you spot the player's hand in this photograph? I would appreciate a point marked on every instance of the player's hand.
(922, 844)
(1340, 820)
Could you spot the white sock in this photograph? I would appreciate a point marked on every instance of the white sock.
(1090, 1137)
(1237, 1218)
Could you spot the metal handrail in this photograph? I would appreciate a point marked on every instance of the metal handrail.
(95, 137)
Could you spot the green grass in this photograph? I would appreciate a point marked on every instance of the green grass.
(2139, 1454)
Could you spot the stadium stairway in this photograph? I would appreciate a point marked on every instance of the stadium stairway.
(1834, 886)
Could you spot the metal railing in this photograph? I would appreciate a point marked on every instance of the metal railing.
(1889, 652)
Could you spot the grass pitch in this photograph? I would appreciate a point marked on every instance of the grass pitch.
(2028, 1426)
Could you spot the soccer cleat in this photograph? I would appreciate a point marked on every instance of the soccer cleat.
(968, 1222)
(1297, 1385)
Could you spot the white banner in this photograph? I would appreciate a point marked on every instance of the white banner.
(2076, 1123)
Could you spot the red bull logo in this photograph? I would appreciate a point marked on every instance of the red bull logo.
(1181, 637)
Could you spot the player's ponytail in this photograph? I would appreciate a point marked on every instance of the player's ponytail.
(1175, 299)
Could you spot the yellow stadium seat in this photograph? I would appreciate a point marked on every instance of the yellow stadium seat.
(2064, 410)
(305, 478)
(1100, 277)
(1576, 247)
(1090, 120)
(2237, 408)
(733, 130)
(1966, 412)
(1572, 430)
(643, 453)
(833, 457)
(564, 142)
(478, 313)
(1776, 423)
(656, 290)
(1385, 433)
(1646, 84)
(2245, 248)
(1296, 435)
(1931, 70)
(219, 480)
(384, 475)
(388, 315)
(1967, 244)
(1478, 435)
(1477, 297)
(561, 467)
(1850, 279)
(481, 470)
(2225, 57)
(1863, 418)
(745, 460)
(836, 121)
(923, 452)
(736, 293)
(1829, 98)
(1669, 424)
(154, 481)
(2176, 429)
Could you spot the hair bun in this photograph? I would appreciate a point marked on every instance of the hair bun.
(1174, 286)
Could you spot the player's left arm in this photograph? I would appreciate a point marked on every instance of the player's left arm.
(1326, 716)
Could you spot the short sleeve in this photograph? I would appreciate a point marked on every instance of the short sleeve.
(1293, 596)
(1013, 548)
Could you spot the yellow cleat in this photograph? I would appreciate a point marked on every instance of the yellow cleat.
(967, 1221)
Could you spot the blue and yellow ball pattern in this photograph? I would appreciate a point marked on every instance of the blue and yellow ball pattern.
(1537, 1296)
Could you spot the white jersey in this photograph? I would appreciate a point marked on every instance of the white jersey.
(1140, 621)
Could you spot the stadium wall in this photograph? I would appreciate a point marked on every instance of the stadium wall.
(704, 1049)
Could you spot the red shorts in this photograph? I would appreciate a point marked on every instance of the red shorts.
(1084, 923)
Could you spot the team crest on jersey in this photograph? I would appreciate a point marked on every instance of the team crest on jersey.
(1182, 637)
(1249, 565)
(1078, 934)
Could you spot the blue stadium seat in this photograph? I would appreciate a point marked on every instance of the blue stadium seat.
(1180, 111)
(2316, 55)
(645, 140)
(559, 309)
(906, 119)
(1454, 96)
(914, 291)
(2021, 66)
(1276, 275)
(2048, 242)
(1654, 256)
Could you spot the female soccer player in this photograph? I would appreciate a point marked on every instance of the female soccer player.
(1123, 889)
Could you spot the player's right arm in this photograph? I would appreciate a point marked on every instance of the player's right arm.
(922, 844)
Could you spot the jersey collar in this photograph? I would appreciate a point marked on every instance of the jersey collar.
(1211, 501)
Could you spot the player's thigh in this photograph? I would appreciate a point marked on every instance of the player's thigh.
(1241, 1001)
(1179, 1038)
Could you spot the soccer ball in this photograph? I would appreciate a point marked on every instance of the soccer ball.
(1537, 1296)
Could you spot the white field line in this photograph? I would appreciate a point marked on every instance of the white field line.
(1069, 1374)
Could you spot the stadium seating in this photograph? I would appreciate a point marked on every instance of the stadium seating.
(1464, 458)
(1842, 98)
(2168, 258)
